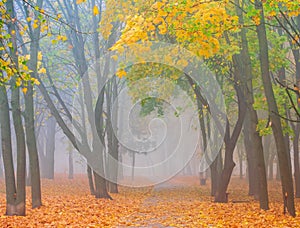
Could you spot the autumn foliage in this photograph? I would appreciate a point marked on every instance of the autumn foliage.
(180, 203)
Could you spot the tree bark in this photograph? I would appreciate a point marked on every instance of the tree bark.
(284, 163)
(240, 155)
(71, 166)
(36, 195)
(19, 207)
(112, 143)
(296, 127)
(10, 185)
(216, 169)
(252, 172)
(271, 166)
(100, 192)
(296, 164)
(255, 141)
(50, 147)
(91, 182)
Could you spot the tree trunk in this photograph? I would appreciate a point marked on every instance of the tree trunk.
(271, 166)
(296, 163)
(284, 163)
(19, 194)
(100, 192)
(29, 116)
(91, 182)
(1, 161)
(41, 141)
(244, 63)
(112, 142)
(10, 186)
(230, 140)
(221, 194)
(50, 147)
(277, 170)
(71, 166)
(296, 128)
(132, 165)
(252, 171)
(216, 169)
(32, 149)
(230, 143)
(267, 152)
(21, 153)
(240, 155)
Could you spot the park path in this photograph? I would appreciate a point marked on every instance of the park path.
(167, 193)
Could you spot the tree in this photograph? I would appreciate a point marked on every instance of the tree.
(15, 189)
(244, 63)
(284, 163)
(34, 34)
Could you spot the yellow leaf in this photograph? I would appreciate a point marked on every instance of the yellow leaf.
(18, 82)
(157, 20)
(182, 62)
(42, 71)
(40, 56)
(121, 73)
(35, 81)
(64, 38)
(24, 90)
(115, 57)
(157, 5)
(95, 10)
(35, 25)
(28, 19)
(80, 1)
(162, 13)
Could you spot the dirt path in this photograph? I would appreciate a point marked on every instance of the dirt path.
(162, 194)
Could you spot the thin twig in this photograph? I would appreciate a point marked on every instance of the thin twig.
(56, 19)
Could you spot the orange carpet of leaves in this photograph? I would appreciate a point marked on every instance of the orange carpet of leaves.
(183, 203)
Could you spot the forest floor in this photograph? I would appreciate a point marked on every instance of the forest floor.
(181, 202)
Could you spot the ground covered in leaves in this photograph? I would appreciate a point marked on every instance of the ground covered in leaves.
(180, 202)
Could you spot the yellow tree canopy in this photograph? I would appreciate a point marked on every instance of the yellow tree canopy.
(196, 25)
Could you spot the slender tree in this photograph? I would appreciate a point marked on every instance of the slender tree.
(282, 153)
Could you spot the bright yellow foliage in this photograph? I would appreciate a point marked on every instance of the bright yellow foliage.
(197, 25)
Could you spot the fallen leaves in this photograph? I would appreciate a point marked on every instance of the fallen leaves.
(183, 203)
